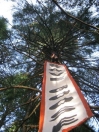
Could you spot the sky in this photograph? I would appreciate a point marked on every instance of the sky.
(6, 9)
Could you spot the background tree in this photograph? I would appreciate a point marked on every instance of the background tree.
(38, 31)
(3, 37)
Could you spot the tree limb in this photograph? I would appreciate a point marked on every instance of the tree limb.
(67, 14)
(23, 87)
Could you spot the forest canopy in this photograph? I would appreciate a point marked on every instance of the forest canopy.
(68, 28)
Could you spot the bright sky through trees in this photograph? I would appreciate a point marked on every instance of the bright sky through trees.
(6, 9)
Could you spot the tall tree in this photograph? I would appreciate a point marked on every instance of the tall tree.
(38, 31)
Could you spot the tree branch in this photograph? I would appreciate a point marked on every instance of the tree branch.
(94, 107)
(23, 87)
(67, 14)
(28, 117)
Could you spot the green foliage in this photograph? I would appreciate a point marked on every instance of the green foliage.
(3, 29)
